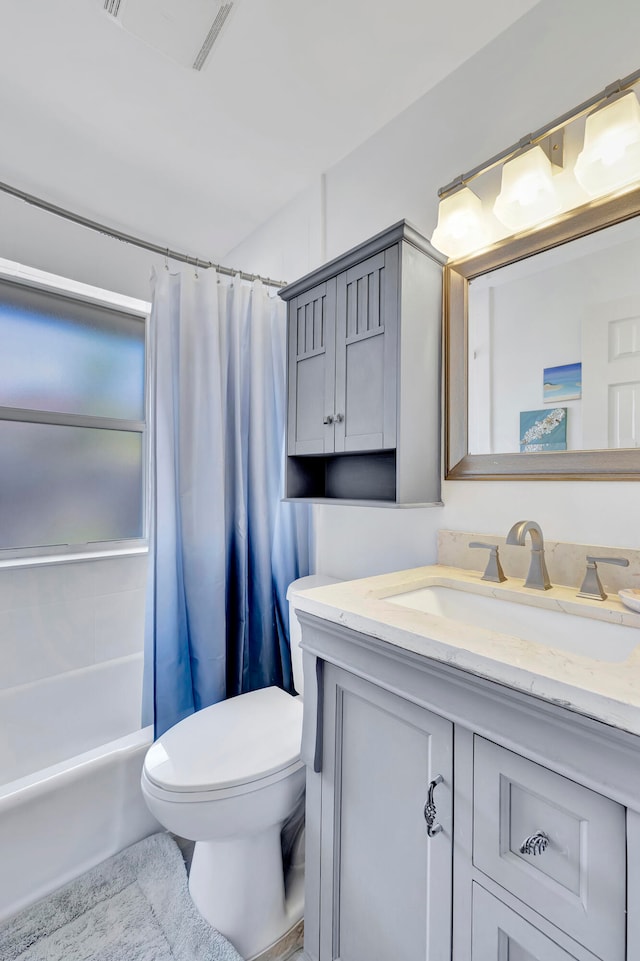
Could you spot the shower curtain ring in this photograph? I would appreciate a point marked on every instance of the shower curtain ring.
(196, 270)
(166, 260)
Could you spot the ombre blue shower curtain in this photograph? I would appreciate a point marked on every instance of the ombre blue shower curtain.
(223, 547)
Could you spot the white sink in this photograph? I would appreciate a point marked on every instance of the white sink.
(557, 629)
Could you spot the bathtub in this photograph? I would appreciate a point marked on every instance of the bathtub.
(77, 808)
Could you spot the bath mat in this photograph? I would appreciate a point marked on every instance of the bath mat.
(133, 907)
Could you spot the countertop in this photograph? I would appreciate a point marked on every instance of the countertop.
(601, 689)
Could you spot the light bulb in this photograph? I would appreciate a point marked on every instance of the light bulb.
(461, 226)
(528, 194)
(610, 157)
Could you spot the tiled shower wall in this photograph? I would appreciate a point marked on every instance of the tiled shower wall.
(56, 618)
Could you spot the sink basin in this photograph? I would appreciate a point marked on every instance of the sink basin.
(557, 629)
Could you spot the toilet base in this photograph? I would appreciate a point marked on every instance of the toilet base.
(288, 944)
(237, 885)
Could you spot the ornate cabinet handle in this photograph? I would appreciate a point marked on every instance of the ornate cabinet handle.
(328, 419)
(535, 844)
(430, 808)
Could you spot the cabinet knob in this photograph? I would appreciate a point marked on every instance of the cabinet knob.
(430, 812)
(339, 418)
(328, 419)
(535, 844)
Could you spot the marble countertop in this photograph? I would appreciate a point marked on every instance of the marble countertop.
(605, 690)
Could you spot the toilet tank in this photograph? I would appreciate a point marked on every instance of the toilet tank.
(295, 635)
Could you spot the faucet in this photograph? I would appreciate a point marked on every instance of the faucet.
(538, 577)
(591, 585)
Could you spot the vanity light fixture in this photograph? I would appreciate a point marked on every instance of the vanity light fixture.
(610, 158)
(528, 195)
(461, 226)
(531, 193)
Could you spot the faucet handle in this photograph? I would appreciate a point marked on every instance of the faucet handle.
(493, 571)
(591, 585)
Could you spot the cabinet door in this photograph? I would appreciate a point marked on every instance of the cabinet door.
(499, 934)
(385, 885)
(311, 373)
(366, 354)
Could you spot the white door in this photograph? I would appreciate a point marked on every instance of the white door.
(611, 375)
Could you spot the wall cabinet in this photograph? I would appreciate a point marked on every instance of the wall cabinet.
(363, 370)
(543, 863)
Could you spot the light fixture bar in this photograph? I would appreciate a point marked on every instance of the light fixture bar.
(538, 135)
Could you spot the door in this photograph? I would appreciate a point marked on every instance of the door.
(611, 375)
(311, 373)
(499, 934)
(366, 354)
(385, 885)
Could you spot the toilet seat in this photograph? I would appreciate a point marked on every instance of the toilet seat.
(234, 747)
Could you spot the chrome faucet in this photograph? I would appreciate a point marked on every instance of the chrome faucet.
(538, 576)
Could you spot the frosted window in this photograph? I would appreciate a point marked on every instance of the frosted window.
(68, 485)
(60, 354)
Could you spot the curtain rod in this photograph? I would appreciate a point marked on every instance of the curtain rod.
(134, 241)
(549, 128)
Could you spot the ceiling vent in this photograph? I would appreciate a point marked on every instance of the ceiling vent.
(212, 36)
(112, 7)
(184, 30)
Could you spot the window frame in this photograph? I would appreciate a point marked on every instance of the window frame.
(139, 309)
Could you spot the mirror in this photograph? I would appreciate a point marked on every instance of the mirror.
(542, 351)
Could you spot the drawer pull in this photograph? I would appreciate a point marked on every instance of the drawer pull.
(535, 844)
(430, 808)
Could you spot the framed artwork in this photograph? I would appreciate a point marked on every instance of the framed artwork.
(562, 383)
(543, 430)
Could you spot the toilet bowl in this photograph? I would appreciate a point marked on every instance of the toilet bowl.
(228, 777)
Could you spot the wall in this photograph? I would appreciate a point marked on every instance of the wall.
(560, 53)
(70, 616)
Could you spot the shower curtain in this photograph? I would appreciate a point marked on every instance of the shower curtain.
(223, 547)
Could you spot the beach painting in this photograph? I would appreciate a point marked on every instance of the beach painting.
(543, 430)
(562, 383)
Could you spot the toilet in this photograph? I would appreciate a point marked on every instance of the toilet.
(228, 777)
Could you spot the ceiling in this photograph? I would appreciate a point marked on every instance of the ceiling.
(95, 119)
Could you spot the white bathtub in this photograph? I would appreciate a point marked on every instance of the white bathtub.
(74, 811)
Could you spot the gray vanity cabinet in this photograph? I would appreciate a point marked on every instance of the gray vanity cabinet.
(542, 859)
(363, 370)
(500, 934)
(380, 754)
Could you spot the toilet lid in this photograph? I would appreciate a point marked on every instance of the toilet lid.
(237, 741)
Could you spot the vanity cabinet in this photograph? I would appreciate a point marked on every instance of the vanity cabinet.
(380, 754)
(572, 868)
(538, 853)
(363, 374)
(500, 934)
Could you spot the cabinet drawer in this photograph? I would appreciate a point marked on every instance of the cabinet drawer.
(499, 934)
(578, 881)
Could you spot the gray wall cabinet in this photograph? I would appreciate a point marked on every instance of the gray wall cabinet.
(536, 856)
(363, 373)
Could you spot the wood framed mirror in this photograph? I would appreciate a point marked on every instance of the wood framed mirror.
(519, 320)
